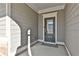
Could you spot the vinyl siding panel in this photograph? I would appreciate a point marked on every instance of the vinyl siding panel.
(2, 9)
(26, 18)
(72, 28)
(2, 21)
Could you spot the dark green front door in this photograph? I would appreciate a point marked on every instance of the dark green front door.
(49, 31)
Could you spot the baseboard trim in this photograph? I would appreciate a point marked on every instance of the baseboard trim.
(67, 50)
(34, 42)
(24, 48)
(59, 43)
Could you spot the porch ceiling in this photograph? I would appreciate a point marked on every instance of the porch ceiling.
(43, 6)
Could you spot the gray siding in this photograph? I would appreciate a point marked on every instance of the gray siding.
(40, 27)
(2, 21)
(72, 28)
(26, 18)
(2, 9)
(60, 27)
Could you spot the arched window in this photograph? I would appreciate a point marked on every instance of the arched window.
(15, 36)
(3, 37)
(10, 36)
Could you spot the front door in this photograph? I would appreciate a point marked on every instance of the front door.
(49, 29)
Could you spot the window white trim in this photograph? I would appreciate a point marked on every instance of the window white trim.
(54, 14)
(8, 34)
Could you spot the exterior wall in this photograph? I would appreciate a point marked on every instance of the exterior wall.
(26, 18)
(40, 27)
(2, 9)
(2, 21)
(60, 26)
(72, 28)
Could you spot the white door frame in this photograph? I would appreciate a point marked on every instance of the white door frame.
(54, 14)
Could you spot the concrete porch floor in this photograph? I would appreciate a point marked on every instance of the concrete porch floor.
(45, 50)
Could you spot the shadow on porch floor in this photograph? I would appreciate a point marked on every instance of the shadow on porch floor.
(40, 49)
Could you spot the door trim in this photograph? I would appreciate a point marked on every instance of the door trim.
(54, 14)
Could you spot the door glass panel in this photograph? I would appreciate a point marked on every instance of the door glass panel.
(49, 26)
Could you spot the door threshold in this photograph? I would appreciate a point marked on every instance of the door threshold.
(49, 42)
(46, 42)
